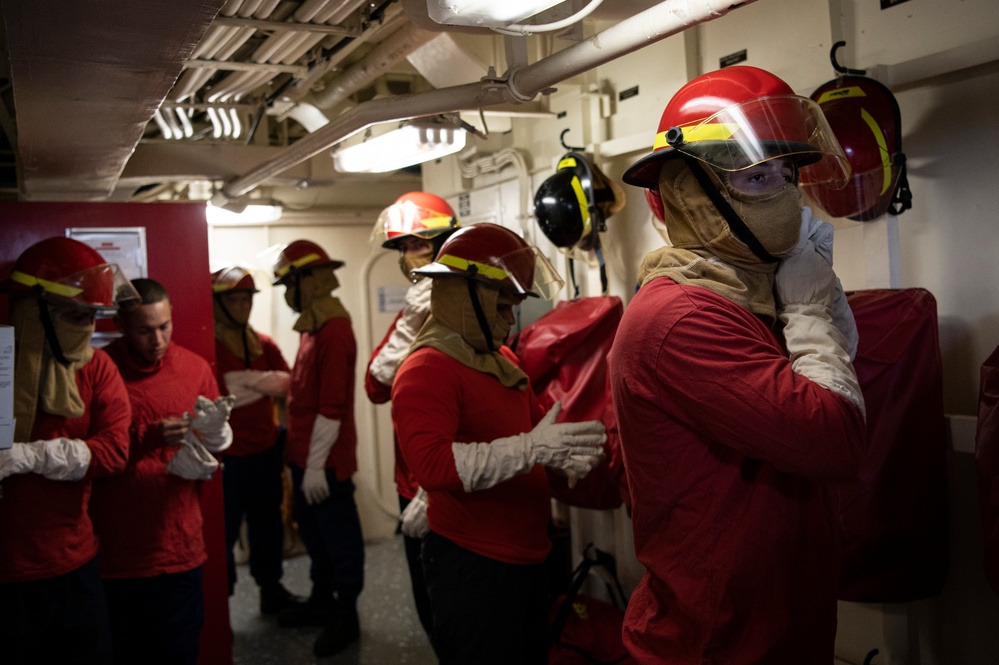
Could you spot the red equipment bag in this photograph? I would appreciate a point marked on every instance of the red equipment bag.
(987, 465)
(565, 355)
(894, 520)
(585, 630)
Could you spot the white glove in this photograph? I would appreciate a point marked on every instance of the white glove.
(193, 461)
(414, 315)
(315, 487)
(573, 448)
(249, 385)
(56, 459)
(821, 235)
(414, 517)
(806, 286)
(211, 421)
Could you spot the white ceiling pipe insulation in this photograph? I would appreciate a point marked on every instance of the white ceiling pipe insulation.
(520, 85)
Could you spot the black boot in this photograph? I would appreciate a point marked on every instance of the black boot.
(274, 598)
(316, 611)
(341, 632)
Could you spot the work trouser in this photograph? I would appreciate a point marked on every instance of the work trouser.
(252, 488)
(485, 611)
(331, 533)
(61, 620)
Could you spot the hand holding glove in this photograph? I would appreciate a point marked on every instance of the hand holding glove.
(315, 487)
(806, 290)
(193, 461)
(211, 421)
(56, 459)
(414, 517)
(821, 235)
(573, 448)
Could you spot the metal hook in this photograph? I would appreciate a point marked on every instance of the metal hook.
(840, 68)
(561, 138)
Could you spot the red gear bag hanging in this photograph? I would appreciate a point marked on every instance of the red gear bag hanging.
(894, 520)
(565, 355)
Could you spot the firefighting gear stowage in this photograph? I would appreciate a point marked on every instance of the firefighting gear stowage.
(415, 219)
(233, 329)
(572, 207)
(865, 118)
(573, 448)
(893, 524)
(565, 355)
(730, 120)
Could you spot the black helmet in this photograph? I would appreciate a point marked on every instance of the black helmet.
(572, 204)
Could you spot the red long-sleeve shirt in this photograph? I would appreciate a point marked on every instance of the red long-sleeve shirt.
(148, 519)
(254, 428)
(379, 393)
(45, 530)
(436, 401)
(322, 383)
(729, 455)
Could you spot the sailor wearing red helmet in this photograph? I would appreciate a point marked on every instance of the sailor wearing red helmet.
(73, 416)
(415, 225)
(733, 383)
(477, 441)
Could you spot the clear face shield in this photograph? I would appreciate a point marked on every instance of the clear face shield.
(530, 264)
(408, 218)
(763, 129)
(103, 289)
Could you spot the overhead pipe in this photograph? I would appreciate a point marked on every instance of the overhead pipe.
(518, 86)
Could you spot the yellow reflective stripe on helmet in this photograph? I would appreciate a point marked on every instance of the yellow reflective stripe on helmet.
(436, 221)
(710, 131)
(882, 146)
(298, 263)
(584, 207)
(566, 163)
(841, 93)
(484, 269)
(50, 287)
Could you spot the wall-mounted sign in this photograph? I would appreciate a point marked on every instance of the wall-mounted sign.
(125, 246)
(732, 59)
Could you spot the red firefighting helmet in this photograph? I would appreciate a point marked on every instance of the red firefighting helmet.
(233, 278)
(865, 117)
(64, 270)
(494, 255)
(300, 255)
(417, 214)
(737, 117)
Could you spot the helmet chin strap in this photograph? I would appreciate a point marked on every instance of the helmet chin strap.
(480, 314)
(49, 328)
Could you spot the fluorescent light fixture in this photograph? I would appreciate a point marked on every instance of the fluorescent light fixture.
(403, 146)
(251, 214)
(486, 13)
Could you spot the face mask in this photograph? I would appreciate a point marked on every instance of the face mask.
(409, 262)
(774, 217)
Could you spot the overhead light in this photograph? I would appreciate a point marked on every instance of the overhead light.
(411, 143)
(250, 214)
(486, 13)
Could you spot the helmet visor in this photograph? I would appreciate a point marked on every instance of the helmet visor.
(530, 264)
(761, 129)
(408, 218)
(103, 288)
